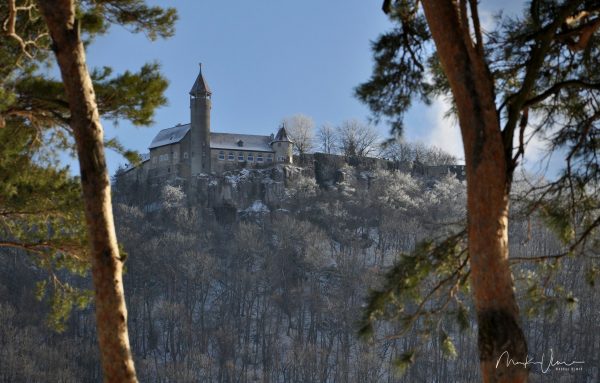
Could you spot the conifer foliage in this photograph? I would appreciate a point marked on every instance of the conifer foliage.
(532, 76)
(40, 115)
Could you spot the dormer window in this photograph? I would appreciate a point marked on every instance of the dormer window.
(240, 143)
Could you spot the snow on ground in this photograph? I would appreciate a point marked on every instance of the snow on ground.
(257, 207)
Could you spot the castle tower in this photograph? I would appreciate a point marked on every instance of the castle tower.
(282, 146)
(200, 105)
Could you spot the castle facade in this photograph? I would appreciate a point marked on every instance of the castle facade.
(185, 151)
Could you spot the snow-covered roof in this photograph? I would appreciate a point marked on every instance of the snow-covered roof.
(169, 136)
(226, 141)
(234, 141)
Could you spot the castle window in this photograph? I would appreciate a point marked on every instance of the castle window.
(185, 155)
(163, 158)
(240, 156)
(270, 158)
(240, 143)
(281, 159)
(230, 157)
(259, 158)
(221, 155)
(250, 157)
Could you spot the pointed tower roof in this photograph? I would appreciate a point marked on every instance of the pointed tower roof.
(282, 135)
(200, 86)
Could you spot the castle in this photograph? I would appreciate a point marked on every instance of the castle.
(183, 152)
(188, 150)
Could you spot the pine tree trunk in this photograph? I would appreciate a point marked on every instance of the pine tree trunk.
(111, 313)
(488, 187)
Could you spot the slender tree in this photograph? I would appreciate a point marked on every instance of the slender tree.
(326, 138)
(542, 64)
(64, 22)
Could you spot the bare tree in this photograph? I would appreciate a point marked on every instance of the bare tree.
(398, 150)
(326, 138)
(438, 156)
(357, 138)
(402, 151)
(300, 129)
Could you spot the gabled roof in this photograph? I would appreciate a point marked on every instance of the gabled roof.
(234, 141)
(169, 136)
(200, 87)
(282, 135)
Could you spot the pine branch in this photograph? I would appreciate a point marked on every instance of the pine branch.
(556, 88)
(9, 27)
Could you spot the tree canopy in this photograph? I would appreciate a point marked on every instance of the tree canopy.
(531, 77)
(40, 200)
(40, 107)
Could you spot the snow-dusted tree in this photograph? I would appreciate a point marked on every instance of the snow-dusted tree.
(300, 129)
(357, 138)
(398, 150)
(326, 138)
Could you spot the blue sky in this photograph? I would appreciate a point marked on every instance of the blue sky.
(264, 61)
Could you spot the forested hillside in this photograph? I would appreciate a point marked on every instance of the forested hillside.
(277, 292)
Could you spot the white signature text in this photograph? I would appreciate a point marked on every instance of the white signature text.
(545, 367)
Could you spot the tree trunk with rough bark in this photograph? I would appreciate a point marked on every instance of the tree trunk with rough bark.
(107, 265)
(488, 187)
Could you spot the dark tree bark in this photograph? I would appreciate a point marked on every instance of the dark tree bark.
(111, 313)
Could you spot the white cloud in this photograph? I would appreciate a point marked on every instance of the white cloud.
(538, 160)
(444, 131)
